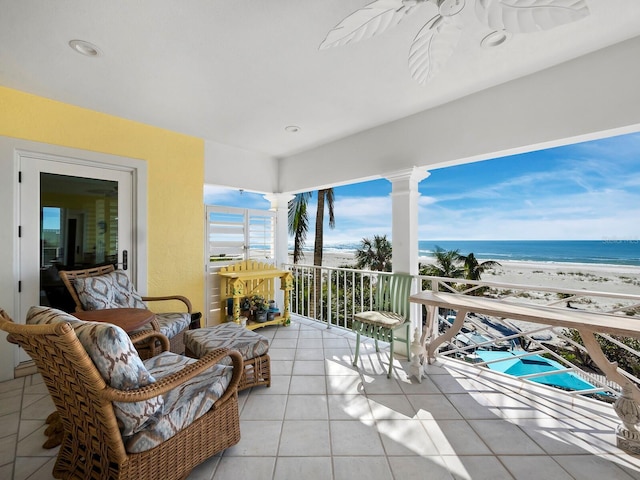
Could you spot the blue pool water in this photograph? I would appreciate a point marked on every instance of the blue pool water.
(519, 367)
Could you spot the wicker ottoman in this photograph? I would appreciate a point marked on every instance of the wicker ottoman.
(252, 346)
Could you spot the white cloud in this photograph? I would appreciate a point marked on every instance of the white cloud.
(214, 195)
(356, 208)
(593, 215)
(425, 200)
(607, 212)
(358, 218)
(589, 191)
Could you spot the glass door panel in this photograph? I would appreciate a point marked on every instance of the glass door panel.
(72, 216)
(78, 229)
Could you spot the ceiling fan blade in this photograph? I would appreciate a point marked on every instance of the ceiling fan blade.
(528, 16)
(432, 47)
(370, 20)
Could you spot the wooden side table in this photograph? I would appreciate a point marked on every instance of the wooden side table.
(129, 319)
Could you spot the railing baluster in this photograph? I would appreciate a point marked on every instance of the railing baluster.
(329, 298)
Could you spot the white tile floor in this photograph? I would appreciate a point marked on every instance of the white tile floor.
(323, 419)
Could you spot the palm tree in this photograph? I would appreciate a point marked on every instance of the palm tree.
(474, 270)
(298, 219)
(447, 264)
(324, 196)
(298, 223)
(375, 255)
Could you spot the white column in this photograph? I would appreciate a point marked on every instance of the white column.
(280, 205)
(404, 212)
(404, 234)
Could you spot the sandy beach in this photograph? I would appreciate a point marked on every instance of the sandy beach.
(619, 279)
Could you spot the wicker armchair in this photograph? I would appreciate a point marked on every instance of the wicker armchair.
(93, 445)
(89, 296)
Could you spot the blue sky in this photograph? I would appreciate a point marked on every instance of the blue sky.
(585, 191)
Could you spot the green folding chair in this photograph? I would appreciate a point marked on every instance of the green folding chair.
(391, 314)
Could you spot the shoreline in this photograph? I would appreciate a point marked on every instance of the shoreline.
(334, 259)
(609, 284)
(570, 266)
(619, 279)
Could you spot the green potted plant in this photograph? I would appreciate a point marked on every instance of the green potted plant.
(245, 307)
(259, 308)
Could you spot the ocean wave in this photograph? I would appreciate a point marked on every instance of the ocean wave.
(596, 252)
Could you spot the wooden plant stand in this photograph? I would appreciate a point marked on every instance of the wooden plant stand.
(248, 278)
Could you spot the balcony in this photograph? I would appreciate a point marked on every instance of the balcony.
(322, 418)
(347, 291)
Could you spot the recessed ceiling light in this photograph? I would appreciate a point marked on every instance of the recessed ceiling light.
(292, 129)
(495, 39)
(85, 48)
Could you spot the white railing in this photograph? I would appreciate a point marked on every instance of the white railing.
(332, 295)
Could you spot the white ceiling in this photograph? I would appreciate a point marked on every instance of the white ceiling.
(236, 72)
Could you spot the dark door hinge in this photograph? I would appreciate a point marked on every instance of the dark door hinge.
(19, 177)
(19, 231)
(19, 286)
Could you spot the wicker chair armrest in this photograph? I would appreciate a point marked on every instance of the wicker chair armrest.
(176, 379)
(180, 298)
(17, 329)
(145, 335)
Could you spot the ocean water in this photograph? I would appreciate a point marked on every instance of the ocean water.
(602, 252)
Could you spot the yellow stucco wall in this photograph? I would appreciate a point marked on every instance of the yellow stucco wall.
(175, 167)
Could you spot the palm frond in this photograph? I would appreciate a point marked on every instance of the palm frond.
(298, 220)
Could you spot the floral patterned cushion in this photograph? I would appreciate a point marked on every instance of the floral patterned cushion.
(181, 406)
(110, 290)
(116, 359)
